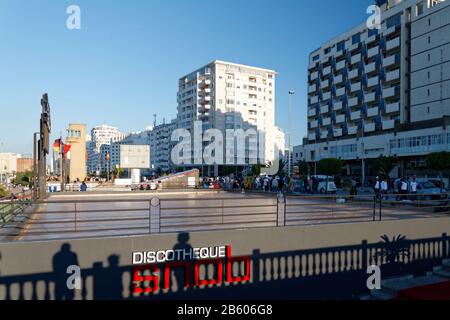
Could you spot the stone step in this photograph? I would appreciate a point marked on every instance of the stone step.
(441, 272)
(381, 295)
(395, 285)
(387, 283)
(446, 264)
(366, 298)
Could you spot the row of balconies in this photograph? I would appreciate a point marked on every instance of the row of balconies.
(351, 130)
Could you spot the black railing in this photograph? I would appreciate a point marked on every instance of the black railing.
(150, 215)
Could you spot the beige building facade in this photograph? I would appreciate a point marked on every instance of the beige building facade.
(76, 137)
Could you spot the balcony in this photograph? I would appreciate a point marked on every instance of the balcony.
(340, 92)
(393, 75)
(205, 100)
(311, 136)
(204, 92)
(391, 92)
(373, 52)
(204, 108)
(326, 70)
(312, 112)
(369, 97)
(391, 61)
(314, 124)
(352, 130)
(353, 74)
(326, 96)
(326, 121)
(388, 124)
(314, 75)
(393, 44)
(369, 127)
(370, 68)
(337, 132)
(338, 79)
(372, 112)
(340, 65)
(356, 58)
(389, 31)
(312, 89)
(340, 118)
(356, 87)
(393, 107)
(204, 83)
(353, 102)
(324, 135)
(338, 105)
(314, 100)
(324, 109)
(371, 39)
(325, 84)
(355, 115)
(372, 82)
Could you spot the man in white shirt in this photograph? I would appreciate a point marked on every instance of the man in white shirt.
(384, 188)
(414, 188)
(404, 188)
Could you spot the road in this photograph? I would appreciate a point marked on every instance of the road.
(98, 215)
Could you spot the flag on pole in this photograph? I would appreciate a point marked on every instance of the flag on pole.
(57, 146)
(66, 148)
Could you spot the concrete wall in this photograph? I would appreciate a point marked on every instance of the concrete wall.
(34, 257)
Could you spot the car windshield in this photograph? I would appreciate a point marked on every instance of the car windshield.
(427, 185)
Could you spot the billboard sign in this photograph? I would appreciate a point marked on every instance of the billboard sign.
(134, 156)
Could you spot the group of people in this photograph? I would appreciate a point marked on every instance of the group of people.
(404, 188)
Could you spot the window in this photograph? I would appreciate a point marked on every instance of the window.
(328, 50)
(356, 38)
(419, 8)
(316, 58)
(394, 21)
(372, 32)
(341, 46)
(429, 40)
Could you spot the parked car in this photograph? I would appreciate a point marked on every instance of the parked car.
(323, 182)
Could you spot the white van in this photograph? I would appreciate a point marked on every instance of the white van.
(323, 181)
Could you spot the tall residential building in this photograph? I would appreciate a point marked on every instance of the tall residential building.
(76, 137)
(101, 135)
(105, 134)
(161, 146)
(383, 92)
(226, 95)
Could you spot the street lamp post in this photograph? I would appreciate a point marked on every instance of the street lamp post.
(291, 93)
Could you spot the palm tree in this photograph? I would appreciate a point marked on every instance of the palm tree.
(394, 252)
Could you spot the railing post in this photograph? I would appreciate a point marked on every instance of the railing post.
(150, 217)
(155, 214)
(255, 262)
(75, 205)
(374, 207)
(364, 255)
(380, 202)
(444, 246)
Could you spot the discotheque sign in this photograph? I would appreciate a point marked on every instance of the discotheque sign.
(150, 266)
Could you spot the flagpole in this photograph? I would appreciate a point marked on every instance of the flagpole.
(61, 152)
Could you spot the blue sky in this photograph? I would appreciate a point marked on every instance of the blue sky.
(123, 65)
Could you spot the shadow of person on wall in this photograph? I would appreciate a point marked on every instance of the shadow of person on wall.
(179, 273)
(61, 261)
(108, 281)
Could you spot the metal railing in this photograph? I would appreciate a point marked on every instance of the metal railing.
(153, 215)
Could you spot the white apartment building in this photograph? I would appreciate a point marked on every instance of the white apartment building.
(101, 135)
(226, 95)
(383, 92)
(161, 146)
